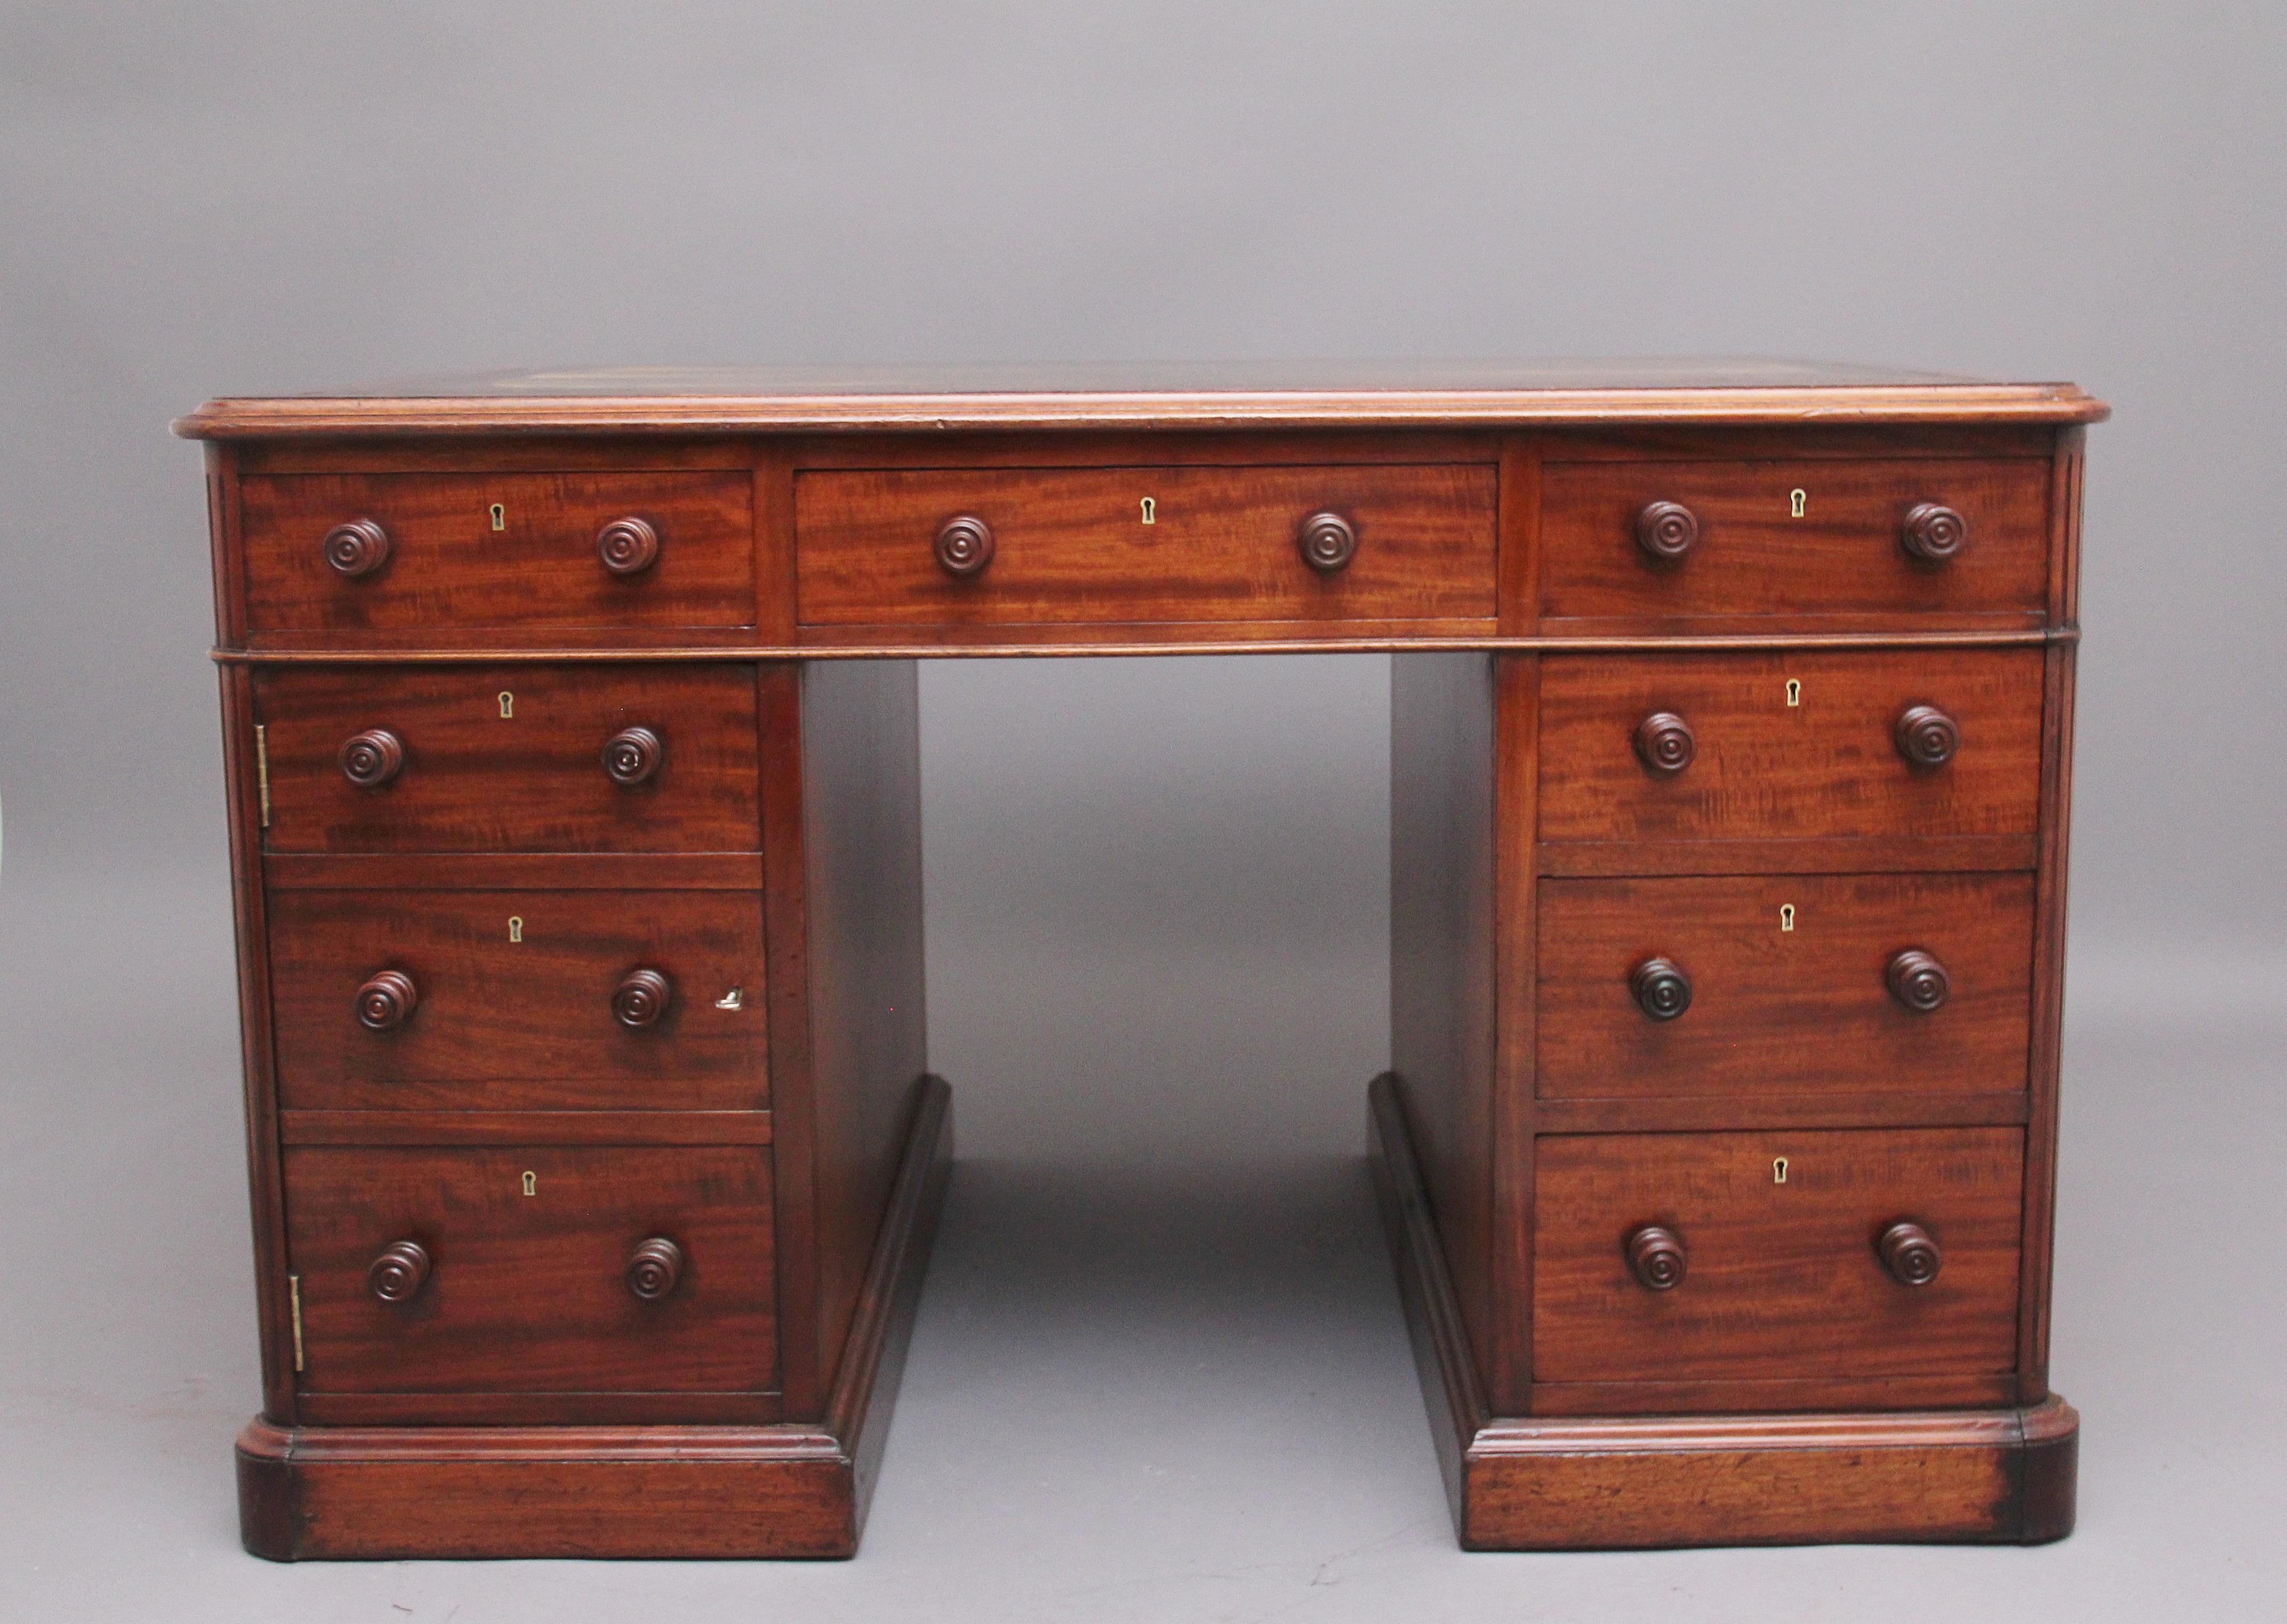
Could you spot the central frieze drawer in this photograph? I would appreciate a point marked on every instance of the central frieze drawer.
(1920, 742)
(1815, 984)
(1762, 1256)
(519, 1000)
(509, 758)
(418, 552)
(531, 1269)
(948, 547)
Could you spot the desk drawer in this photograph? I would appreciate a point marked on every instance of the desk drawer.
(1802, 984)
(519, 1000)
(427, 1271)
(1931, 742)
(1144, 544)
(413, 552)
(1677, 539)
(1778, 1280)
(510, 758)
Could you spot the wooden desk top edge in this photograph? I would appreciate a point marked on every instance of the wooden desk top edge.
(1356, 395)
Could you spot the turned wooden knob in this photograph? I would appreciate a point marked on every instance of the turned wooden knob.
(633, 756)
(1328, 540)
(1917, 980)
(396, 1275)
(641, 998)
(1656, 1259)
(357, 548)
(628, 546)
(1661, 988)
(371, 758)
(385, 1001)
(964, 546)
(1666, 531)
(1932, 532)
(1909, 1254)
(653, 1269)
(1926, 737)
(1664, 743)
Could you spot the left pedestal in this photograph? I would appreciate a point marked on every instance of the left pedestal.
(593, 1148)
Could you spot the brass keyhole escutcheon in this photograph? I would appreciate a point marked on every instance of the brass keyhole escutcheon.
(1150, 511)
(532, 1183)
(516, 927)
(1798, 500)
(1786, 916)
(499, 511)
(735, 999)
(507, 704)
(1778, 1170)
(1793, 695)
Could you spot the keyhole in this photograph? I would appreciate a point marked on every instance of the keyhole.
(1797, 500)
(507, 703)
(532, 1183)
(1150, 511)
(1786, 915)
(1794, 694)
(499, 516)
(1778, 1171)
(516, 927)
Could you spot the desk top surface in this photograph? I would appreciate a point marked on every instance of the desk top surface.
(1129, 395)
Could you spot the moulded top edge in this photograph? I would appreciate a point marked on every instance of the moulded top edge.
(729, 401)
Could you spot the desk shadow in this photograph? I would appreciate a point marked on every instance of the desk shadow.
(1185, 1359)
(1130, 1297)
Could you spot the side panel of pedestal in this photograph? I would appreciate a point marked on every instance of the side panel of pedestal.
(843, 837)
(1444, 920)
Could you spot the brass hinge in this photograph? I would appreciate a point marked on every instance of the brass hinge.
(261, 788)
(293, 1291)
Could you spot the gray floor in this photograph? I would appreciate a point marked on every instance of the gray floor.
(1137, 1389)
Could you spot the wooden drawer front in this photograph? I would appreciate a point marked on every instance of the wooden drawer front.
(1829, 764)
(520, 1000)
(444, 565)
(1747, 555)
(1070, 544)
(1788, 983)
(1780, 1280)
(527, 1294)
(471, 778)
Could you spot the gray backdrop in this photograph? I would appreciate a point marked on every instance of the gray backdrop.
(1158, 1372)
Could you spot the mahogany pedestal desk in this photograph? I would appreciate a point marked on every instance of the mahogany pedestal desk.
(571, 739)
